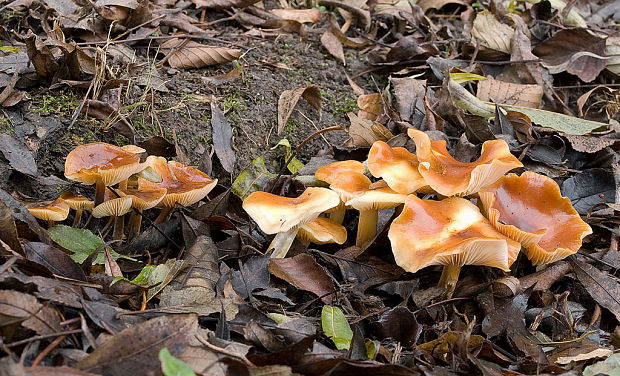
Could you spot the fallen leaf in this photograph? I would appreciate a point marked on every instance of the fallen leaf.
(612, 50)
(252, 178)
(81, 242)
(158, 146)
(364, 132)
(336, 327)
(252, 275)
(17, 307)
(370, 106)
(300, 15)
(18, 155)
(447, 343)
(598, 353)
(398, 323)
(295, 164)
(192, 54)
(602, 287)
(491, 33)
(226, 77)
(437, 4)
(304, 273)
(8, 230)
(333, 46)
(492, 90)
(590, 187)
(224, 4)
(222, 138)
(607, 367)
(104, 111)
(590, 144)
(289, 98)
(54, 259)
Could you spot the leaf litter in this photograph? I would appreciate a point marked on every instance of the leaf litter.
(193, 292)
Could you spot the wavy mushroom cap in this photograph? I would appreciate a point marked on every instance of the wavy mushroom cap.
(530, 209)
(322, 230)
(143, 198)
(346, 178)
(448, 232)
(58, 210)
(184, 185)
(450, 177)
(77, 202)
(275, 214)
(112, 164)
(397, 166)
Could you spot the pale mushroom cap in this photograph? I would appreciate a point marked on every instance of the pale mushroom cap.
(185, 185)
(397, 166)
(113, 208)
(134, 149)
(89, 162)
(530, 209)
(143, 199)
(275, 214)
(77, 202)
(378, 198)
(450, 177)
(448, 232)
(346, 178)
(322, 230)
(58, 210)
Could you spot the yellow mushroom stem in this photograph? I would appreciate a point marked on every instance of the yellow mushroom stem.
(99, 191)
(337, 215)
(164, 215)
(78, 217)
(282, 242)
(449, 278)
(135, 222)
(367, 226)
(119, 227)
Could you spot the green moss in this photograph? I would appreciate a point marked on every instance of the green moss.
(233, 101)
(345, 105)
(60, 104)
(291, 125)
(6, 126)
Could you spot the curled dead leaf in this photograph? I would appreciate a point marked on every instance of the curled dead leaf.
(190, 54)
(289, 98)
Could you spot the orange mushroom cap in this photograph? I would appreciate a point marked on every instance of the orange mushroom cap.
(185, 185)
(530, 209)
(346, 178)
(143, 198)
(450, 177)
(397, 166)
(448, 232)
(77, 202)
(58, 210)
(322, 230)
(112, 164)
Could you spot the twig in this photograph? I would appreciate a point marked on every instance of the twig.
(47, 350)
(37, 338)
(224, 351)
(554, 343)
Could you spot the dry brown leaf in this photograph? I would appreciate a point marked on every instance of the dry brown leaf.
(303, 272)
(612, 50)
(289, 98)
(300, 15)
(19, 307)
(491, 90)
(491, 33)
(195, 55)
(333, 46)
(364, 132)
(224, 78)
(438, 4)
(589, 144)
(369, 106)
(224, 4)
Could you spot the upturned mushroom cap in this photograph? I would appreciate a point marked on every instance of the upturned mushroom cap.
(112, 206)
(397, 166)
(346, 178)
(450, 177)
(275, 214)
(99, 160)
(143, 198)
(185, 185)
(377, 199)
(530, 209)
(77, 202)
(58, 210)
(448, 232)
(322, 230)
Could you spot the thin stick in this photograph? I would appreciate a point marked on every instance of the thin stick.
(37, 338)
(47, 350)
(224, 351)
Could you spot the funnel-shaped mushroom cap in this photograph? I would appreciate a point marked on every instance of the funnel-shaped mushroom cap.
(531, 210)
(143, 198)
(58, 210)
(275, 214)
(77, 202)
(185, 185)
(448, 232)
(397, 166)
(112, 206)
(376, 199)
(450, 177)
(112, 164)
(322, 230)
(345, 178)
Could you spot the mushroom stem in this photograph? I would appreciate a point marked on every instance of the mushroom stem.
(282, 242)
(99, 191)
(366, 227)
(338, 214)
(123, 184)
(164, 215)
(449, 277)
(50, 223)
(78, 217)
(119, 227)
(135, 221)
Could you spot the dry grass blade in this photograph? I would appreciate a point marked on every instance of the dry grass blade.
(224, 4)
(195, 55)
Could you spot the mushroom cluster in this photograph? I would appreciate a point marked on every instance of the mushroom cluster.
(514, 212)
(107, 165)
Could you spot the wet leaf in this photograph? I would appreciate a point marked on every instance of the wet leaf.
(222, 138)
(295, 164)
(18, 155)
(336, 327)
(304, 273)
(289, 98)
(589, 188)
(158, 146)
(252, 179)
(601, 286)
(187, 55)
(252, 275)
(54, 259)
(172, 366)
(81, 242)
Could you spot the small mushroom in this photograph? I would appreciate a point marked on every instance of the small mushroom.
(141, 199)
(345, 178)
(449, 177)
(284, 216)
(531, 210)
(397, 166)
(101, 164)
(115, 208)
(58, 210)
(77, 203)
(184, 185)
(451, 232)
(322, 230)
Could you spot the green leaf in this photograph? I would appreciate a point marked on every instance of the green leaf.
(559, 122)
(295, 164)
(278, 317)
(172, 366)
(149, 174)
(9, 49)
(336, 327)
(252, 178)
(141, 279)
(81, 242)
(459, 77)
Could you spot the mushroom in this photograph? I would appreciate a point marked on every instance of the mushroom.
(284, 216)
(141, 199)
(185, 185)
(531, 210)
(101, 164)
(77, 203)
(58, 210)
(345, 178)
(451, 232)
(397, 166)
(115, 208)
(322, 230)
(449, 177)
